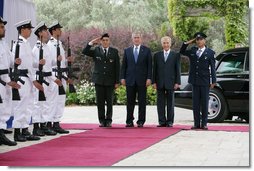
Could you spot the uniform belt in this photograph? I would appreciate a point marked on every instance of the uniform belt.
(23, 72)
(62, 69)
(45, 74)
(4, 71)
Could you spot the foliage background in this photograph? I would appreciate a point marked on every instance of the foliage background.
(225, 22)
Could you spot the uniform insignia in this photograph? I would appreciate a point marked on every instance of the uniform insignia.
(111, 60)
(99, 58)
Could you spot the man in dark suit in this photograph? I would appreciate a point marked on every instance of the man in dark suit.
(166, 79)
(105, 75)
(136, 74)
(202, 69)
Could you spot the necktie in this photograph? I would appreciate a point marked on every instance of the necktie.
(136, 54)
(165, 56)
(105, 52)
(199, 52)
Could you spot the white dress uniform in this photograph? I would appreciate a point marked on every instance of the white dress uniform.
(57, 107)
(22, 109)
(6, 62)
(42, 109)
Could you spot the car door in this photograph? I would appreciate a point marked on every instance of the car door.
(232, 77)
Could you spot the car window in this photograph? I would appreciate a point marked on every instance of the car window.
(231, 63)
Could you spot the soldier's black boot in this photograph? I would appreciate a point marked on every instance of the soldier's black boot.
(18, 136)
(37, 131)
(58, 129)
(47, 129)
(4, 140)
(29, 136)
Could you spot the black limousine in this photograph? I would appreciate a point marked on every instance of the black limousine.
(230, 96)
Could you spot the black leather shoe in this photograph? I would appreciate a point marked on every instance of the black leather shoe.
(140, 125)
(195, 127)
(129, 125)
(170, 125)
(4, 140)
(20, 138)
(38, 132)
(46, 130)
(161, 125)
(102, 125)
(108, 124)
(204, 127)
(32, 138)
(58, 129)
(6, 131)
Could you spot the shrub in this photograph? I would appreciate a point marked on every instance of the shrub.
(86, 93)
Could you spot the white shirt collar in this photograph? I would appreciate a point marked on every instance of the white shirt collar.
(23, 39)
(166, 51)
(202, 49)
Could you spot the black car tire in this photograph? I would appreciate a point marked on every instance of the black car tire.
(217, 106)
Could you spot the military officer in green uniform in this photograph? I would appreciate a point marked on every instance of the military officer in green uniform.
(105, 75)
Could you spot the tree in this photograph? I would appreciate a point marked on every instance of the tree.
(188, 17)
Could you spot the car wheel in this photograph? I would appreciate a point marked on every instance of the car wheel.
(217, 106)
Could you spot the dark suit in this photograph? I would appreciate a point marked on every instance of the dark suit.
(105, 76)
(165, 76)
(199, 77)
(136, 75)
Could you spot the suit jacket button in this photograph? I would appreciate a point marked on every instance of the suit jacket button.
(197, 67)
(197, 61)
(104, 67)
(196, 73)
(105, 62)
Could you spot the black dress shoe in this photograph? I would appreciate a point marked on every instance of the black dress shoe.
(20, 138)
(38, 132)
(102, 125)
(161, 125)
(47, 130)
(32, 138)
(170, 125)
(204, 127)
(129, 125)
(6, 131)
(57, 128)
(108, 124)
(195, 127)
(140, 125)
(4, 140)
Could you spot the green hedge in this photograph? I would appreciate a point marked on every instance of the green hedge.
(86, 95)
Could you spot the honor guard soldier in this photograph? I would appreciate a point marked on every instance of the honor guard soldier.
(57, 107)
(105, 75)
(6, 62)
(22, 109)
(202, 76)
(44, 75)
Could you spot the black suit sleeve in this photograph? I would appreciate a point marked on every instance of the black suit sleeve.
(178, 69)
(183, 50)
(154, 69)
(87, 51)
(117, 67)
(213, 71)
(124, 66)
(149, 66)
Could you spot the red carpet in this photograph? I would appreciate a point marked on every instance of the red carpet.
(97, 147)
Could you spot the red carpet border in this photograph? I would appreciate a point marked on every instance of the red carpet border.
(96, 146)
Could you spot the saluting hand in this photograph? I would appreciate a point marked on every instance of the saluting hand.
(38, 85)
(191, 41)
(96, 41)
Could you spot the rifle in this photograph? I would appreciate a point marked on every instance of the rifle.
(61, 90)
(40, 74)
(15, 74)
(70, 70)
(12, 42)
